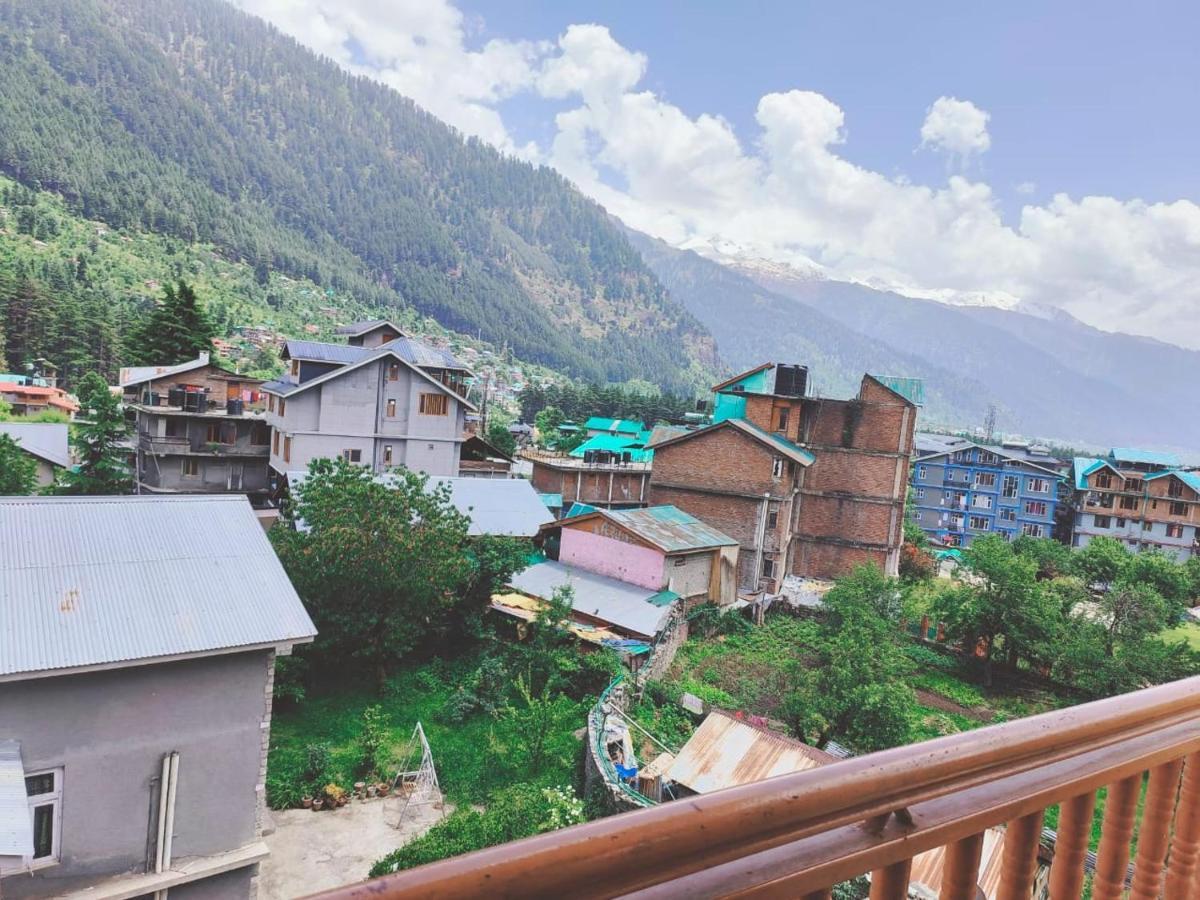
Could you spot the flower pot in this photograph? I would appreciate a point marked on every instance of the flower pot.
(383, 788)
(370, 790)
(360, 789)
(306, 802)
(318, 804)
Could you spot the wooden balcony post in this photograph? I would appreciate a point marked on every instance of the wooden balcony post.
(1156, 825)
(1074, 828)
(960, 877)
(1019, 866)
(1120, 809)
(1185, 845)
(891, 883)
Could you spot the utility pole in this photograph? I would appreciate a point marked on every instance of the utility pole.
(989, 425)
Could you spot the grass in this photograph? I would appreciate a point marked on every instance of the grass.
(1189, 633)
(469, 768)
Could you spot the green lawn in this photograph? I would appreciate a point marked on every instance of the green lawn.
(1188, 632)
(469, 766)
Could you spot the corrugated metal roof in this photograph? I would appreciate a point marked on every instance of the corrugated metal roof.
(620, 426)
(911, 389)
(928, 869)
(357, 328)
(1083, 466)
(669, 528)
(551, 501)
(634, 445)
(46, 441)
(1191, 479)
(112, 580)
(791, 450)
(413, 351)
(280, 388)
(498, 506)
(660, 433)
(318, 351)
(724, 752)
(618, 603)
(137, 374)
(16, 826)
(1147, 457)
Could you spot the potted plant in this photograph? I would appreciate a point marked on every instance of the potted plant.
(318, 804)
(383, 788)
(370, 791)
(360, 790)
(334, 795)
(306, 802)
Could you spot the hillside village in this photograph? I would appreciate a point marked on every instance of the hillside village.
(382, 589)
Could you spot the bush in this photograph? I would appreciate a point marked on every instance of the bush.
(317, 760)
(372, 743)
(927, 659)
(285, 788)
(289, 679)
(482, 692)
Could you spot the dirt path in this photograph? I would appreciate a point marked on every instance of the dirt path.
(937, 701)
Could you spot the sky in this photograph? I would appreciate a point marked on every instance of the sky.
(1022, 152)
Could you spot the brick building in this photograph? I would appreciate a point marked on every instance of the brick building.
(808, 486)
(608, 482)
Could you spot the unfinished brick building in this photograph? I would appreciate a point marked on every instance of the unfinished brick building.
(808, 486)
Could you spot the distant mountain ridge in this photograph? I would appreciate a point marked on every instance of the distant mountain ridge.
(1048, 374)
(191, 119)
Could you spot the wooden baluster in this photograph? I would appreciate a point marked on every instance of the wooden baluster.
(1185, 845)
(1020, 857)
(891, 883)
(1152, 835)
(960, 875)
(1120, 808)
(1074, 828)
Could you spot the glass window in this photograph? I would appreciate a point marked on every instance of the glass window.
(1010, 485)
(1035, 507)
(1102, 522)
(44, 790)
(432, 404)
(1174, 530)
(777, 466)
(190, 468)
(352, 455)
(985, 479)
(979, 523)
(391, 409)
(387, 454)
(1033, 529)
(1038, 485)
(1179, 509)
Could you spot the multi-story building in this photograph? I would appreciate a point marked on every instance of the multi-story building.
(966, 489)
(1140, 497)
(199, 429)
(809, 486)
(136, 694)
(29, 395)
(607, 480)
(383, 400)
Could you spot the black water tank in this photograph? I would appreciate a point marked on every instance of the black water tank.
(791, 381)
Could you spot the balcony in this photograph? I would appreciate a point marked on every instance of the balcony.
(565, 461)
(797, 835)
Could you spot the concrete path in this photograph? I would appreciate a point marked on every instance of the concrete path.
(315, 851)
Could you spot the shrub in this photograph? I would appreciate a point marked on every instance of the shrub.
(372, 743)
(317, 759)
(285, 789)
(926, 659)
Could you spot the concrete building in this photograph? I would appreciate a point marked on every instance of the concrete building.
(136, 669)
(660, 548)
(47, 443)
(29, 395)
(967, 489)
(199, 429)
(809, 486)
(1140, 497)
(378, 403)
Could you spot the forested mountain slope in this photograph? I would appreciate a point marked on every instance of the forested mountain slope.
(190, 119)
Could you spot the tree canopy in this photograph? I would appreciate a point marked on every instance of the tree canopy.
(18, 470)
(98, 441)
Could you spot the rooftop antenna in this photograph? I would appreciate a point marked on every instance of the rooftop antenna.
(989, 424)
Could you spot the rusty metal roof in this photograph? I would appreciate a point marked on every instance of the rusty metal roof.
(104, 581)
(925, 880)
(725, 751)
(669, 528)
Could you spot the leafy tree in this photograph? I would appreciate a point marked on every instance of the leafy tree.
(501, 438)
(18, 470)
(1161, 573)
(5, 410)
(381, 568)
(524, 732)
(865, 586)
(546, 422)
(494, 560)
(1132, 612)
(1101, 562)
(98, 442)
(1052, 557)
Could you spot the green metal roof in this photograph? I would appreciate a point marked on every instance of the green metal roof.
(634, 444)
(552, 501)
(1085, 466)
(620, 426)
(792, 449)
(911, 389)
(663, 598)
(1191, 479)
(1146, 457)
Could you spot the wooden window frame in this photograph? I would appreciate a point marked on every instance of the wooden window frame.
(186, 463)
(433, 404)
(287, 448)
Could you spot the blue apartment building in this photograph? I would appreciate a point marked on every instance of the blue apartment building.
(962, 489)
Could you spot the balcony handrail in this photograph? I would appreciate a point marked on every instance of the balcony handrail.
(810, 829)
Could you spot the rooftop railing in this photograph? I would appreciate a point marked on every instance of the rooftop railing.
(798, 835)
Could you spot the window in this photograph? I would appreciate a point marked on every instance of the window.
(259, 434)
(920, 493)
(1174, 530)
(270, 403)
(783, 419)
(1038, 485)
(1033, 529)
(44, 790)
(1103, 480)
(922, 472)
(1121, 523)
(1129, 503)
(773, 519)
(394, 372)
(1133, 484)
(777, 466)
(177, 428)
(1035, 507)
(275, 442)
(979, 523)
(221, 433)
(387, 454)
(1102, 521)
(768, 568)
(212, 433)
(352, 455)
(296, 368)
(988, 458)
(985, 479)
(1008, 514)
(282, 406)
(680, 561)
(1174, 488)
(287, 449)
(391, 409)
(982, 501)
(1147, 525)
(1009, 487)
(434, 405)
(190, 468)
(1179, 509)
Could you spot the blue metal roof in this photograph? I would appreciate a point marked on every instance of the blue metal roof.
(319, 351)
(1191, 479)
(408, 349)
(620, 426)
(911, 389)
(413, 351)
(1145, 457)
(117, 580)
(1085, 466)
(551, 501)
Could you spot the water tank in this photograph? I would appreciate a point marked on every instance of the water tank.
(235, 407)
(791, 381)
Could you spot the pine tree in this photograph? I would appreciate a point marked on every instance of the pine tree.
(97, 441)
(177, 330)
(18, 471)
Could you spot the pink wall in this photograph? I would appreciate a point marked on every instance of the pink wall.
(605, 556)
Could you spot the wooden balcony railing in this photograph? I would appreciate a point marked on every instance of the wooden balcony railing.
(797, 835)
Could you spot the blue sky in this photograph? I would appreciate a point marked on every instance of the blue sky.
(1009, 153)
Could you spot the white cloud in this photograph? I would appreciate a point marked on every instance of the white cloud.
(958, 127)
(784, 193)
(1026, 188)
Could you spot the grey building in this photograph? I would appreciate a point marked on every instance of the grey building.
(136, 667)
(397, 403)
(199, 429)
(47, 443)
